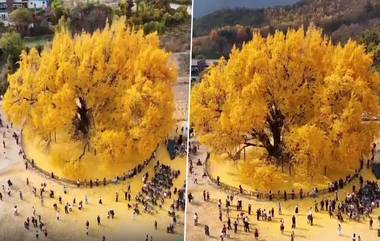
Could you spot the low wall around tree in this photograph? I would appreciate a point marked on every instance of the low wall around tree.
(83, 183)
(274, 196)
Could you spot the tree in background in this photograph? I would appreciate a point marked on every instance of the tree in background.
(89, 17)
(110, 90)
(5, 70)
(126, 7)
(157, 15)
(58, 9)
(225, 38)
(11, 45)
(371, 40)
(296, 95)
(21, 17)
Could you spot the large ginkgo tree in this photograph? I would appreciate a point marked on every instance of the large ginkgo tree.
(110, 90)
(296, 95)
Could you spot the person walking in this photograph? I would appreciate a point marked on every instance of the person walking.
(293, 222)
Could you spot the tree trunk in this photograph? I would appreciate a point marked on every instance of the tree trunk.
(275, 123)
(84, 151)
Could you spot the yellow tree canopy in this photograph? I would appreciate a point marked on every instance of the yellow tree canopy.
(111, 89)
(297, 95)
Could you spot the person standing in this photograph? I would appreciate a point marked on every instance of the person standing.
(282, 226)
(195, 219)
(339, 229)
(207, 230)
(256, 234)
(293, 222)
(87, 227)
(15, 211)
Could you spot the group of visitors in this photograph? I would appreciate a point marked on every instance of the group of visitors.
(157, 189)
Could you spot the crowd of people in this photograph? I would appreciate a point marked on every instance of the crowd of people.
(179, 147)
(361, 203)
(358, 204)
(157, 189)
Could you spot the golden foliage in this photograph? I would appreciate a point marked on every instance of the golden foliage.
(296, 94)
(111, 89)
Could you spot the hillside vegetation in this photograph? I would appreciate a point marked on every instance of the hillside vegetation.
(340, 19)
